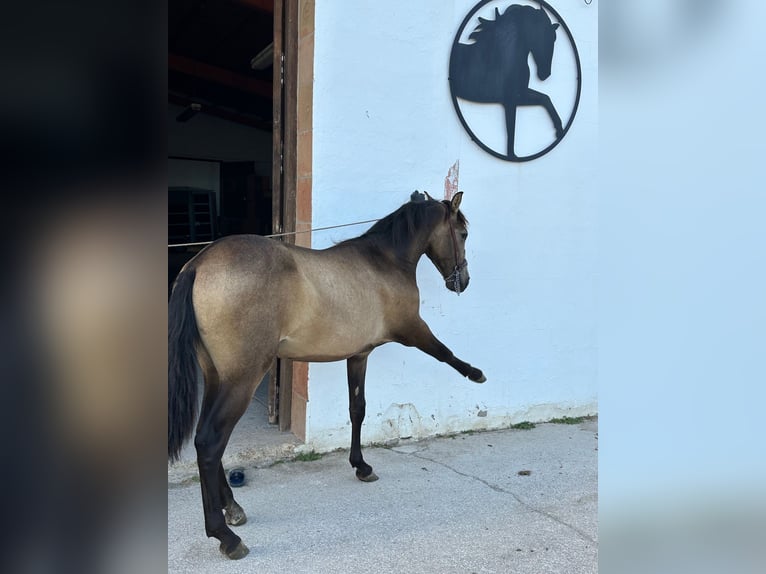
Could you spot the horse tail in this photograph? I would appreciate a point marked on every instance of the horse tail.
(183, 338)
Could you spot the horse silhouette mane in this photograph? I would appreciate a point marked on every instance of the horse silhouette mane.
(509, 17)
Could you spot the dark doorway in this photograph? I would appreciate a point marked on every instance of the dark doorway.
(245, 199)
(220, 122)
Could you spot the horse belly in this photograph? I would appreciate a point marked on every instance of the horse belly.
(322, 344)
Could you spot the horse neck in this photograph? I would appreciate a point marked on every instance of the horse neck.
(415, 250)
(407, 255)
(418, 246)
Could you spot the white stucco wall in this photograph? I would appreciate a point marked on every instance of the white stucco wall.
(384, 125)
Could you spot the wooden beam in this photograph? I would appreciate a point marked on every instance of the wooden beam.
(276, 379)
(286, 42)
(222, 113)
(218, 75)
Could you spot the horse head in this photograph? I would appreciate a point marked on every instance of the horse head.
(541, 43)
(446, 247)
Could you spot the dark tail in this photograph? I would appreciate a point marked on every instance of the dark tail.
(183, 337)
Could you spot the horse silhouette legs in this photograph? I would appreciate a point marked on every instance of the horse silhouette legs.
(529, 97)
(357, 368)
(510, 127)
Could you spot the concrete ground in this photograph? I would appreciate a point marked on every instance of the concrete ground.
(445, 505)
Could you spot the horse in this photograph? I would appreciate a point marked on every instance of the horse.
(246, 299)
(495, 68)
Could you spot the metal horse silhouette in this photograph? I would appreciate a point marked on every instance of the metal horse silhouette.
(495, 69)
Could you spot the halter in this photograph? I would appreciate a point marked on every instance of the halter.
(455, 275)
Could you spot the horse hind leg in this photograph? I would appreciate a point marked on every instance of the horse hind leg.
(233, 512)
(235, 515)
(220, 412)
(224, 404)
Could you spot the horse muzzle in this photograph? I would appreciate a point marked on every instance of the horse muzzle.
(458, 280)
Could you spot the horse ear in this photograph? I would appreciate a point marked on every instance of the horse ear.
(555, 26)
(455, 204)
(428, 197)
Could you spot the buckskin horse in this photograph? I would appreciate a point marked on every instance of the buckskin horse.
(246, 299)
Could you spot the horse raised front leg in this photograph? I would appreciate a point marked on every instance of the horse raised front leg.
(357, 368)
(421, 337)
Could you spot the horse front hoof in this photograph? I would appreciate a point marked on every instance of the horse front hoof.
(370, 477)
(237, 553)
(477, 376)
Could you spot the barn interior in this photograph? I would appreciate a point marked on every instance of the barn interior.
(220, 96)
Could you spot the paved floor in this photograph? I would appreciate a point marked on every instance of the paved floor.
(455, 504)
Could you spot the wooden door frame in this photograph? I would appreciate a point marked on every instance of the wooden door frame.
(291, 174)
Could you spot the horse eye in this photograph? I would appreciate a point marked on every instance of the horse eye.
(464, 235)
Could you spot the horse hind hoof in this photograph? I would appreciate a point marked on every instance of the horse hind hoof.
(371, 477)
(236, 516)
(477, 376)
(239, 551)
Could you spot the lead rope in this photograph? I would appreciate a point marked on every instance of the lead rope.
(196, 243)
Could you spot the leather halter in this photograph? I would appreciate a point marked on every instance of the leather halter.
(455, 275)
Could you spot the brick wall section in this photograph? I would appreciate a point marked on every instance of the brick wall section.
(303, 222)
(305, 115)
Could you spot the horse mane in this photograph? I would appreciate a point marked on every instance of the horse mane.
(509, 17)
(398, 229)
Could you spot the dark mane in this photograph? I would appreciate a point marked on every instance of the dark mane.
(487, 28)
(398, 229)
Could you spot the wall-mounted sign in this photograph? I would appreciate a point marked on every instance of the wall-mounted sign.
(521, 57)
